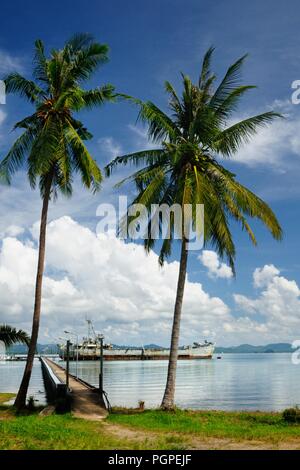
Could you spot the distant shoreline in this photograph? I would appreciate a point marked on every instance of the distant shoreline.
(242, 348)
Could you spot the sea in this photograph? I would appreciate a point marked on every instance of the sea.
(268, 381)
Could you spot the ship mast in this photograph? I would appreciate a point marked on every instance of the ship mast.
(91, 330)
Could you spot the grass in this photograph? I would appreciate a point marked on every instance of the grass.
(4, 397)
(212, 424)
(63, 432)
(151, 429)
(56, 432)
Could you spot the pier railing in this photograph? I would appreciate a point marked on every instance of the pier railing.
(57, 392)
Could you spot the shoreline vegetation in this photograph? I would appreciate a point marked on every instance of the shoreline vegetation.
(135, 429)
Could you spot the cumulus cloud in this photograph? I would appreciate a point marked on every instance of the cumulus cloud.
(263, 276)
(115, 283)
(272, 143)
(277, 304)
(128, 297)
(12, 231)
(216, 269)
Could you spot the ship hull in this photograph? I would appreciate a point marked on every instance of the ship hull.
(204, 352)
(135, 358)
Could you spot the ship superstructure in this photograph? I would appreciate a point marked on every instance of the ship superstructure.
(89, 349)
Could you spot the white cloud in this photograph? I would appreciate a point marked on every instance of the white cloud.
(110, 147)
(129, 298)
(2, 116)
(271, 145)
(12, 231)
(25, 204)
(141, 141)
(263, 276)
(121, 288)
(9, 63)
(2, 119)
(215, 267)
(278, 303)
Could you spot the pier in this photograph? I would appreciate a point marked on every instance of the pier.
(83, 399)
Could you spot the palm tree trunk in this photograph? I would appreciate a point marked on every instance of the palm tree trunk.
(168, 400)
(20, 401)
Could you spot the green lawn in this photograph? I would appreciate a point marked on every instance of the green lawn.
(130, 429)
(217, 424)
(56, 432)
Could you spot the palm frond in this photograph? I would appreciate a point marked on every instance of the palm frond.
(239, 198)
(148, 157)
(174, 100)
(29, 122)
(98, 96)
(79, 41)
(230, 103)
(53, 141)
(87, 60)
(160, 125)
(10, 336)
(16, 156)
(230, 81)
(82, 160)
(205, 70)
(40, 63)
(233, 208)
(230, 140)
(44, 149)
(15, 83)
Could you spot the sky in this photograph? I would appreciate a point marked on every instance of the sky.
(114, 283)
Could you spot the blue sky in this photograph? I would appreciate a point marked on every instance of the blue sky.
(150, 42)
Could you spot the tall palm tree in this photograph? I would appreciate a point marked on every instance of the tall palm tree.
(51, 146)
(185, 169)
(10, 336)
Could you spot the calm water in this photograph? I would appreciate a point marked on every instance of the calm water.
(11, 375)
(237, 381)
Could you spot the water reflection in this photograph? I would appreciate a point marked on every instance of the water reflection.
(11, 375)
(238, 381)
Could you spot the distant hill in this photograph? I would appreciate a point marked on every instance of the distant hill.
(41, 349)
(53, 349)
(153, 346)
(243, 348)
(248, 348)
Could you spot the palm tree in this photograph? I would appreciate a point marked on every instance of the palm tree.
(10, 336)
(184, 169)
(51, 146)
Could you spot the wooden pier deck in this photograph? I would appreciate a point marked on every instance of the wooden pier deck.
(86, 402)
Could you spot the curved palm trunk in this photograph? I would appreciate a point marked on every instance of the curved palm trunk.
(168, 400)
(20, 401)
